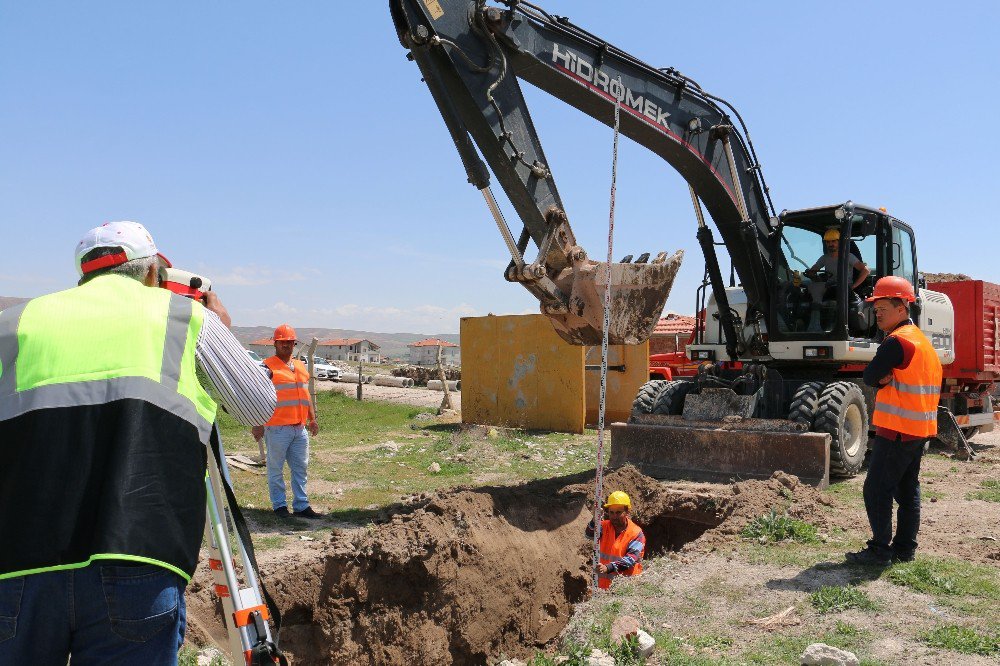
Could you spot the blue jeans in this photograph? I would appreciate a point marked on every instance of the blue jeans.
(894, 474)
(291, 444)
(99, 614)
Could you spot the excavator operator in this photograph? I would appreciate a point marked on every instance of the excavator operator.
(825, 273)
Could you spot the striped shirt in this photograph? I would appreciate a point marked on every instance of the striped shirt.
(243, 387)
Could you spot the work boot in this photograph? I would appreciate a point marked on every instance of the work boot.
(869, 557)
(903, 555)
(281, 512)
(307, 513)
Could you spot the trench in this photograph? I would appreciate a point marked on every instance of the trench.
(466, 575)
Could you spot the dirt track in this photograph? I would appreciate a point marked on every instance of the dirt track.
(418, 396)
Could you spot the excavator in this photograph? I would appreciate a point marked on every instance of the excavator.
(782, 346)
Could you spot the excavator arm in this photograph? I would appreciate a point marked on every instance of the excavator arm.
(471, 56)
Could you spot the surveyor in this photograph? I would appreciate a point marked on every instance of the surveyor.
(621, 541)
(907, 373)
(828, 267)
(104, 427)
(286, 434)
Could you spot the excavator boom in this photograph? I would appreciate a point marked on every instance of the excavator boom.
(471, 56)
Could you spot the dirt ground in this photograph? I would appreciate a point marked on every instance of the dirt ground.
(464, 576)
(417, 396)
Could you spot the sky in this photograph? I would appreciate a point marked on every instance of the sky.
(289, 151)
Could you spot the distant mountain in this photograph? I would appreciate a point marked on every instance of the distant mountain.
(7, 301)
(390, 344)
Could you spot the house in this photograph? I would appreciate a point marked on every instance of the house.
(425, 352)
(263, 346)
(671, 334)
(349, 349)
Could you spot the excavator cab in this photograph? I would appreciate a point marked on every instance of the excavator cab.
(815, 248)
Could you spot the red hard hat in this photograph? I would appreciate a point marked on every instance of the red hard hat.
(893, 286)
(284, 332)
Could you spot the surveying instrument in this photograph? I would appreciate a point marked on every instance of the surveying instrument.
(247, 608)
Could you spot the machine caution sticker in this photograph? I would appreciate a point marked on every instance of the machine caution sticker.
(434, 7)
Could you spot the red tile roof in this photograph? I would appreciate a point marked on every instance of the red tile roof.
(674, 324)
(432, 342)
(262, 341)
(346, 342)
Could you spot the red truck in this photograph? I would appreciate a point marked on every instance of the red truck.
(970, 381)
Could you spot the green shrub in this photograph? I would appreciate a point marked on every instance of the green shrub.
(833, 599)
(774, 527)
(963, 639)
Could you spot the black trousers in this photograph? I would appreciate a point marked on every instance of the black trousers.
(894, 474)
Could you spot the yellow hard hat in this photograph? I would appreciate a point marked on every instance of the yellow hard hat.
(831, 234)
(618, 498)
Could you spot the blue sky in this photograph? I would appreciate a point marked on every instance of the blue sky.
(289, 151)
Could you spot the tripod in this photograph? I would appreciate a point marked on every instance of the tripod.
(247, 609)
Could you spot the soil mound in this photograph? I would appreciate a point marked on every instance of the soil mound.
(463, 576)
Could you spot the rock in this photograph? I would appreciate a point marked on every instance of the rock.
(207, 655)
(646, 644)
(599, 658)
(821, 654)
(434, 468)
(390, 446)
(789, 481)
(623, 627)
(511, 662)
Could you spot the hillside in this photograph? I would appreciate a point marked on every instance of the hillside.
(7, 301)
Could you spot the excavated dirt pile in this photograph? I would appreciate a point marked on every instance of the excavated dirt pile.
(465, 575)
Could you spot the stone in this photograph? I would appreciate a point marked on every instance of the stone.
(821, 654)
(390, 446)
(511, 662)
(646, 644)
(207, 655)
(789, 481)
(434, 468)
(623, 627)
(599, 658)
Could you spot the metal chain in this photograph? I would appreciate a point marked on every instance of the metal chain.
(599, 490)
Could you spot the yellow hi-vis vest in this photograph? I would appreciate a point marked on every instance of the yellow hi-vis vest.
(103, 426)
(908, 403)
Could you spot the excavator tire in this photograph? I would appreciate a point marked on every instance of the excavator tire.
(670, 401)
(842, 414)
(646, 398)
(804, 403)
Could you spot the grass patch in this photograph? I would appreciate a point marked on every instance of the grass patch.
(268, 541)
(946, 576)
(774, 527)
(990, 491)
(834, 599)
(963, 639)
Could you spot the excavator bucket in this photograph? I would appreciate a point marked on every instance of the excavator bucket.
(733, 449)
(638, 293)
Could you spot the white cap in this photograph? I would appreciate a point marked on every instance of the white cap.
(130, 237)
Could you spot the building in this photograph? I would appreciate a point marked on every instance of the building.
(349, 349)
(671, 334)
(424, 352)
(263, 346)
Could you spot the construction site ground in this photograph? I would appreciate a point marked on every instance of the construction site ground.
(450, 544)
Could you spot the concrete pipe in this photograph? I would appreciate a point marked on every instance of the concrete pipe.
(389, 380)
(351, 378)
(410, 383)
(435, 385)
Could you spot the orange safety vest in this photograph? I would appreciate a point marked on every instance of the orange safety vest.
(613, 547)
(908, 403)
(290, 387)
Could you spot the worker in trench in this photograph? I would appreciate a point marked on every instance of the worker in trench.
(907, 373)
(621, 541)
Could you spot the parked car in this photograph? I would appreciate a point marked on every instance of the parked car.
(256, 358)
(321, 368)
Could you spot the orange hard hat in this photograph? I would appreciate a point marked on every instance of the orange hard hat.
(284, 332)
(893, 286)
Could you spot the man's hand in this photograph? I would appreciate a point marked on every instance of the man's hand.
(602, 568)
(313, 427)
(257, 432)
(885, 380)
(212, 302)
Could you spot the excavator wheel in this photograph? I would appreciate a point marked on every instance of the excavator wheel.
(646, 398)
(671, 398)
(842, 414)
(804, 403)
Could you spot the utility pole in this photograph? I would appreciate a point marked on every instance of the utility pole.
(446, 400)
(360, 377)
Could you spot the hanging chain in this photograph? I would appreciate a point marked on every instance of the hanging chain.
(599, 489)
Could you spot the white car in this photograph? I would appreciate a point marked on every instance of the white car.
(322, 369)
(256, 358)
